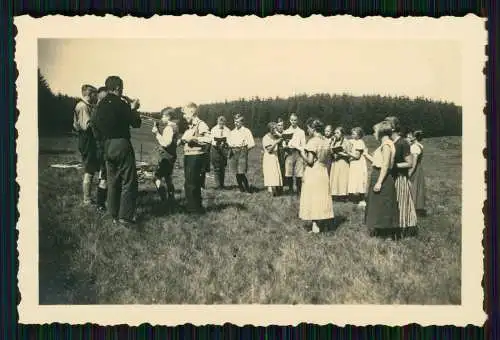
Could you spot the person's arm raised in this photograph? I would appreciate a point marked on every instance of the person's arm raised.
(135, 117)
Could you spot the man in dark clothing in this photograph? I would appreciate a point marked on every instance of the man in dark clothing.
(102, 186)
(280, 128)
(114, 117)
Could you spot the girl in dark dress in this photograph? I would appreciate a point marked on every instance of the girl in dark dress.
(416, 172)
(403, 161)
(382, 213)
(280, 128)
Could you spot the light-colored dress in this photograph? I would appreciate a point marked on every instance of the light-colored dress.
(315, 200)
(270, 163)
(339, 172)
(358, 172)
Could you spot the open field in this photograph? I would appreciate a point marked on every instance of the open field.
(247, 248)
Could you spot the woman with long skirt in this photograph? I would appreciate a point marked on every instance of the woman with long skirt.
(416, 173)
(358, 172)
(315, 201)
(273, 179)
(382, 213)
(402, 162)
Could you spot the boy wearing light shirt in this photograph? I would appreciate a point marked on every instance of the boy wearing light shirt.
(194, 139)
(167, 155)
(219, 134)
(294, 165)
(240, 141)
(82, 123)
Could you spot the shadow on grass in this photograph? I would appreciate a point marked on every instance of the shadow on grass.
(229, 187)
(156, 208)
(56, 152)
(332, 225)
(152, 192)
(56, 134)
(255, 190)
(395, 234)
(222, 206)
(327, 226)
(57, 284)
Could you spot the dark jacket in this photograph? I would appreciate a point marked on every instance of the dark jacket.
(114, 117)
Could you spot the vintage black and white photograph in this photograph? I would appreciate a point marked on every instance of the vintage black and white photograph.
(279, 171)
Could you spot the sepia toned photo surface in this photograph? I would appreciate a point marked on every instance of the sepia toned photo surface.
(234, 172)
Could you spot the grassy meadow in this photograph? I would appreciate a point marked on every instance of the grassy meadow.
(247, 249)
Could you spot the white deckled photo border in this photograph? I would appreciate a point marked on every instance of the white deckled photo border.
(469, 31)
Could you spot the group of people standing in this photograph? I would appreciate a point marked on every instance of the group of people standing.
(219, 146)
(103, 118)
(325, 164)
(281, 161)
(392, 197)
(346, 168)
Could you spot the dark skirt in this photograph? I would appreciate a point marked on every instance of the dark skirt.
(381, 207)
(418, 187)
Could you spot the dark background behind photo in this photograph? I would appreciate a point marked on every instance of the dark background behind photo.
(10, 293)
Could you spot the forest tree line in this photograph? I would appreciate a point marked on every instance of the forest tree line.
(55, 112)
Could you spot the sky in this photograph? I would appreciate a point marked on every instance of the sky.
(167, 72)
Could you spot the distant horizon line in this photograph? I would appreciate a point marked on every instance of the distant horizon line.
(274, 97)
(344, 94)
(269, 98)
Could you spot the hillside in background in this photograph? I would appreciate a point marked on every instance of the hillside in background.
(55, 112)
(435, 118)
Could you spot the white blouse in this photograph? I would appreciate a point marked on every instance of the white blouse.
(241, 137)
(378, 159)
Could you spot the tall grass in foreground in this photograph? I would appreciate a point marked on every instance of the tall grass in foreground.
(247, 248)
